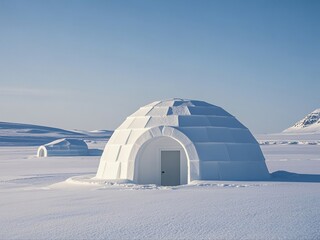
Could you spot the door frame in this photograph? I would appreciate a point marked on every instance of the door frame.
(190, 151)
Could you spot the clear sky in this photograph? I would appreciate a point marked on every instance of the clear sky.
(89, 64)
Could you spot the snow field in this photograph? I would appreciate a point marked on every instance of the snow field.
(37, 203)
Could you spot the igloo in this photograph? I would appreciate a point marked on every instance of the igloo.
(63, 147)
(177, 141)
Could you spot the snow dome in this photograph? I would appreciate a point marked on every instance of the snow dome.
(177, 141)
(63, 147)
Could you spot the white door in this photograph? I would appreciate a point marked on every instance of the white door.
(170, 168)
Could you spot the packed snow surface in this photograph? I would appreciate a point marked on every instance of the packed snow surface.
(56, 198)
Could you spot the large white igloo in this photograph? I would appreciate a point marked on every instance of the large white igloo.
(176, 141)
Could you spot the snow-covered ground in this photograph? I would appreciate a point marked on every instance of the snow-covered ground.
(38, 203)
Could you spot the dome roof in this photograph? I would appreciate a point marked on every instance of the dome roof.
(216, 144)
(178, 106)
(63, 147)
(67, 142)
(180, 112)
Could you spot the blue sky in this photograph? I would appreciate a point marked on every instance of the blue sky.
(89, 64)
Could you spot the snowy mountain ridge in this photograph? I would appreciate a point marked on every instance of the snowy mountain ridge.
(309, 124)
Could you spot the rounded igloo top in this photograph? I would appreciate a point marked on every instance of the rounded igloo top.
(180, 112)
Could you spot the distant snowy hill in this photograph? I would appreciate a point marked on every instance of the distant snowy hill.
(309, 124)
(29, 128)
(20, 134)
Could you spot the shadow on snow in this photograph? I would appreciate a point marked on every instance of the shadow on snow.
(284, 176)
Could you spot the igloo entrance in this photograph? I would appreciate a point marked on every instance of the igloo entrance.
(161, 161)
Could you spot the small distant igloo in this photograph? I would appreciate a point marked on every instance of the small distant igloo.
(176, 141)
(63, 147)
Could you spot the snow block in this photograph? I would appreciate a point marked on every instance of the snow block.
(158, 111)
(134, 135)
(242, 136)
(162, 121)
(111, 153)
(142, 112)
(218, 134)
(223, 121)
(193, 121)
(244, 152)
(139, 122)
(126, 124)
(112, 170)
(209, 110)
(209, 171)
(196, 134)
(212, 151)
